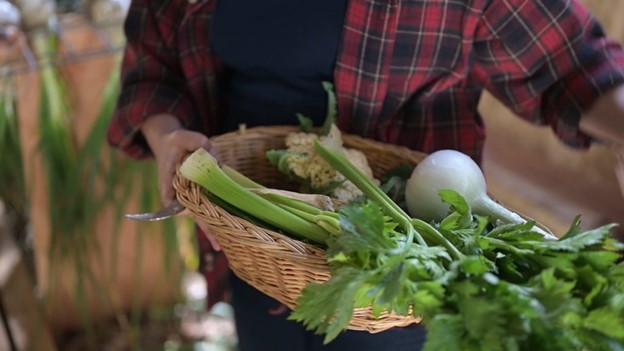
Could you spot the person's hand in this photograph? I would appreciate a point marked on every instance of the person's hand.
(209, 234)
(619, 166)
(170, 143)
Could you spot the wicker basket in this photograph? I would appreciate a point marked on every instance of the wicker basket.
(273, 263)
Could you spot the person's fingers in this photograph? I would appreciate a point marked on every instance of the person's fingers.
(165, 185)
(209, 234)
(166, 172)
(619, 172)
(619, 169)
(176, 146)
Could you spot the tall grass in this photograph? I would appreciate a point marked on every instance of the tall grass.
(83, 181)
(12, 185)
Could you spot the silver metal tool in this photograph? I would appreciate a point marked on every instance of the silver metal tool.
(174, 208)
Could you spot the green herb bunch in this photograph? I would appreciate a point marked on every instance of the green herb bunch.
(477, 285)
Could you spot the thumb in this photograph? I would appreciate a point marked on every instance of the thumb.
(195, 140)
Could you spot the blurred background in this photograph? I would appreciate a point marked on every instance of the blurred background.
(74, 275)
(530, 170)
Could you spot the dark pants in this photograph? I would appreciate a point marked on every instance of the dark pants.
(263, 326)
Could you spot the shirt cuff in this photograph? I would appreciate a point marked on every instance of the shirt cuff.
(578, 93)
(124, 131)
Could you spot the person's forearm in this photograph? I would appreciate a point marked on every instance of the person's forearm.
(605, 120)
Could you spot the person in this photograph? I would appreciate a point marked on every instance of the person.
(406, 72)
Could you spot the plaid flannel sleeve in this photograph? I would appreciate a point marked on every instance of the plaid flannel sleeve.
(151, 78)
(548, 61)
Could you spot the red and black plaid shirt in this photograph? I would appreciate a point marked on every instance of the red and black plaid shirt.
(409, 72)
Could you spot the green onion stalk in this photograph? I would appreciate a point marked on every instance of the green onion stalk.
(68, 203)
(58, 149)
(12, 183)
(76, 176)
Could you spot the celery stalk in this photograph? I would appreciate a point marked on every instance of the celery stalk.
(240, 178)
(203, 169)
(328, 220)
(336, 158)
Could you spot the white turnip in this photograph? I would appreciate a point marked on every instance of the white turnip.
(450, 169)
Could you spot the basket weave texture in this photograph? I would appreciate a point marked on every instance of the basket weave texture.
(273, 263)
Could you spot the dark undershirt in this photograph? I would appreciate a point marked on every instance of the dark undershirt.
(276, 54)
